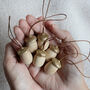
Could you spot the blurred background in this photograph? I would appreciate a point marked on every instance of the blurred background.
(77, 22)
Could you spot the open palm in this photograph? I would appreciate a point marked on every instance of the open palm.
(22, 78)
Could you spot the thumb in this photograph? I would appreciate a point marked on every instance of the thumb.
(9, 58)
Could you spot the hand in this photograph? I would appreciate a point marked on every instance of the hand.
(22, 78)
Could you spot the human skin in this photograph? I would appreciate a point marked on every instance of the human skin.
(20, 77)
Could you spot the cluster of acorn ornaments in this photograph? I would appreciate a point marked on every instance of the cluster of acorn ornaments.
(39, 52)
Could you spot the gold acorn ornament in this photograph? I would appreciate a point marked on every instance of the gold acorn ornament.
(52, 66)
(25, 56)
(52, 52)
(43, 42)
(39, 58)
(31, 42)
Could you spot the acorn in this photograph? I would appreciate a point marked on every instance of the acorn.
(25, 55)
(39, 58)
(31, 42)
(43, 42)
(52, 52)
(52, 66)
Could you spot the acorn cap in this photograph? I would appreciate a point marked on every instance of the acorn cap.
(43, 36)
(56, 62)
(31, 38)
(41, 53)
(22, 50)
(54, 48)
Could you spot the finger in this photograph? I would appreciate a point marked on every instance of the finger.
(24, 26)
(45, 79)
(34, 70)
(41, 78)
(19, 34)
(62, 34)
(16, 44)
(46, 31)
(31, 20)
(31, 32)
(40, 18)
(9, 58)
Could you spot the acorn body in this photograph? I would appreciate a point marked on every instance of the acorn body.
(25, 56)
(39, 58)
(32, 43)
(52, 66)
(52, 52)
(43, 42)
